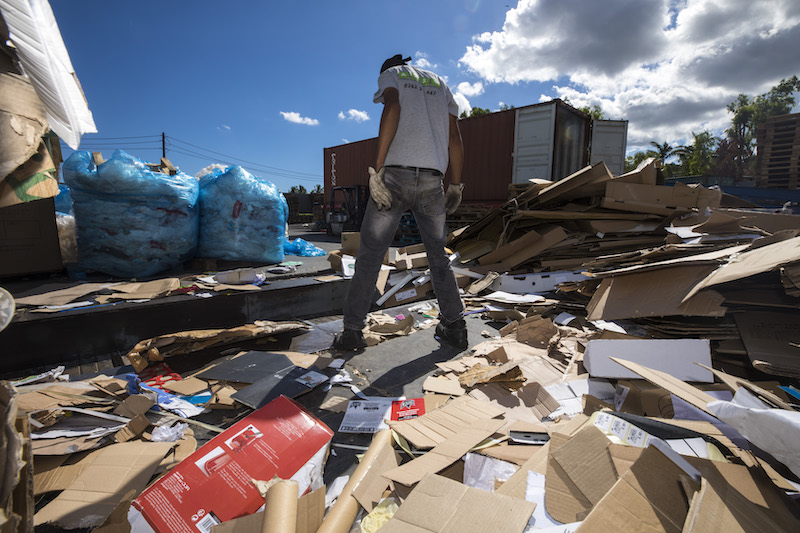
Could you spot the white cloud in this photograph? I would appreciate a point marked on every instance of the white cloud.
(470, 89)
(224, 127)
(292, 116)
(354, 114)
(422, 61)
(463, 103)
(670, 67)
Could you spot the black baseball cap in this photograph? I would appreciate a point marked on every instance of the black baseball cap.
(394, 61)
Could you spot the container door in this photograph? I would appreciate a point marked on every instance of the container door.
(533, 143)
(609, 142)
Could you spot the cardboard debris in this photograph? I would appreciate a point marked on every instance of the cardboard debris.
(121, 467)
(440, 505)
(445, 453)
(157, 348)
(435, 427)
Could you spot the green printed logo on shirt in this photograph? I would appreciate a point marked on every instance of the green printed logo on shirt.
(424, 80)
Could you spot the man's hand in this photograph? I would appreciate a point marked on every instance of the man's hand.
(452, 198)
(378, 190)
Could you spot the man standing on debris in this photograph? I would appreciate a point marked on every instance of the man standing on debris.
(417, 138)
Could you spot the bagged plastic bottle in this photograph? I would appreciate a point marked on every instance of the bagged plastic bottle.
(242, 217)
(131, 221)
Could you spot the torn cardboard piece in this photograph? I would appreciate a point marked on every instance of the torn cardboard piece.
(435, 427)
(441, 505)
(157, 348)
(445, 453)
(93, 495)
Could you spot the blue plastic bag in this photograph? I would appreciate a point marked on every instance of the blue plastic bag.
(131, 221)
(63, 200)
(302, 248)
(242, 217)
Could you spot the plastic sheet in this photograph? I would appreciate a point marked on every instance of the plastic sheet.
(302, 248)
(242, 217)
(131, 221)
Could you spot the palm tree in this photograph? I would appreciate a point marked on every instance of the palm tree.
(663, 151)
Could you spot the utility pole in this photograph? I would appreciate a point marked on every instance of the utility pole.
(163, 145)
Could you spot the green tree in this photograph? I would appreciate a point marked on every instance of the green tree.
(749, 113)
(297, 189)
(595, 112)
(698, 160)
(317, 189)
(663, 152)
(476, 112)
(632, 161)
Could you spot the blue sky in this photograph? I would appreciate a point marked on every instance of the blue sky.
(270, 84)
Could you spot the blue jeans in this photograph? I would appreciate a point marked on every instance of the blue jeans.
(420, 191)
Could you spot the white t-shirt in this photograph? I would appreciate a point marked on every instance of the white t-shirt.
(426, 103)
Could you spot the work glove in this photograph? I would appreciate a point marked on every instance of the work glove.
(452, 198)
(378, 190)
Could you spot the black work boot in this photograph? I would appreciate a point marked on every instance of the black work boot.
(454, 334)
(349, 340)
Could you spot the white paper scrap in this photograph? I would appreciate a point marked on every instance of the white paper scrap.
(366, 416)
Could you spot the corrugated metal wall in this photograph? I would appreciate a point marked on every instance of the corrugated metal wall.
(488, 148)
(347, 164)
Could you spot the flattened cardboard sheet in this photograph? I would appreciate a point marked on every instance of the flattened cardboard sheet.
(93, 495)
(441, 505)
(435, 427)
(445, 454)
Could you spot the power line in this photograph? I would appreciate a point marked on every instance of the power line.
(123, 138)
(230, 157)
(204, 157)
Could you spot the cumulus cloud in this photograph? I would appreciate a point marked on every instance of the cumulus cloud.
(292, 116)
(354, 115)
(463, 103)
(470, 89)
(667, 66)
(422, 61)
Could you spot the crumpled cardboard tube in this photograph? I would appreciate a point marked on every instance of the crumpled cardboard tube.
(343, 513)
(280, 515)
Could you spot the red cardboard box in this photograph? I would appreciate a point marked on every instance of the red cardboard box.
(213, 484)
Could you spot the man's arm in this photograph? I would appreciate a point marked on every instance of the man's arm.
(456, 150)
(390, 118)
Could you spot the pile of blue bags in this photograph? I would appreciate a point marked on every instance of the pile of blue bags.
(135, 222)
(131, 221)
(242, 217)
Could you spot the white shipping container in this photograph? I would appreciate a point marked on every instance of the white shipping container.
(609, 142)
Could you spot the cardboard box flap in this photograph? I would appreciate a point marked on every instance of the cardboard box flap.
(441, 505)
(648, 498)
(679, 388)
(579, 474)
(655, 293)
(101, 485)
(446, 453)
(752, 262)
(726, 511)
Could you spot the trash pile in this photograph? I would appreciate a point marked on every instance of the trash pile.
(635, 369)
